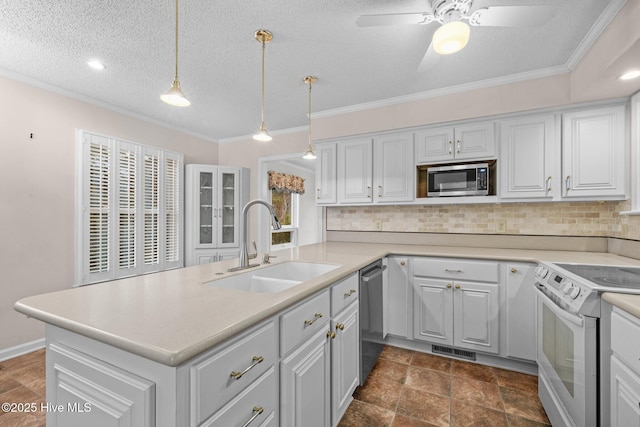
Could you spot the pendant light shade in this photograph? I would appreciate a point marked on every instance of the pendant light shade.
(310, 155)
(174, 95)
(264, 37)
(451, 37)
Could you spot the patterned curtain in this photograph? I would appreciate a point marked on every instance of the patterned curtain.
(286, 183)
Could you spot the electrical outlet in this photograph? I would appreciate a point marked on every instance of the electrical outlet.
(378, 225)
(501, 226)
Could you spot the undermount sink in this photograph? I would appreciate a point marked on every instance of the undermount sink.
(274, 278)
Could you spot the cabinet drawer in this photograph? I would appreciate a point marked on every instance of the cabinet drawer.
(257, 400)
(625, 330)
(212, 383)
(301, 322)
(343, 294)
(456, 269)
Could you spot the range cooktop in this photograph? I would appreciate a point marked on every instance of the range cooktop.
(607, 276)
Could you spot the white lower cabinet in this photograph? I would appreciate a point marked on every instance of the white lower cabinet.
(625, 369)
(520, 310)
(398, 297)
(345, 360)
(451, 310)
(89, 392)
(205, 256)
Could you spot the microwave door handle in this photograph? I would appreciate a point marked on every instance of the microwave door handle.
(559, 311)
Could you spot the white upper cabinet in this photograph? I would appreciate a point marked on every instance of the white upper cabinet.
(326, 173)
(529, 157)
(393, 168)
(594, 157)
(355, 176)
(464, 142)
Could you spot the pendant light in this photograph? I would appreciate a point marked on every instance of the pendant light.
(174, 95)
(264, 37)
(310, 155)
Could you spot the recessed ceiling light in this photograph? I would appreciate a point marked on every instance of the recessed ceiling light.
(96, 65)
(630, 75)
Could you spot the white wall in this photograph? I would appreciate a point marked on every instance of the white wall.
(37, 190)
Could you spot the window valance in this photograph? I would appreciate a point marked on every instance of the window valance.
(286, 183)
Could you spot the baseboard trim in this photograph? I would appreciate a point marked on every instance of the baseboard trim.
(19, 350)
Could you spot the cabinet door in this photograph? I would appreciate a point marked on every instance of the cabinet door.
(594, 153)
(326, 174)
(398, 297)
(94, 393)
(205, 206)
(393, 169)
(475, 141)
(475, 316)
(520, 312)
(227, 207)
(345, 361)
(434, 145)
(529, 154)
(625, 395)
(305, 384)
(355, 173)
(433, 310)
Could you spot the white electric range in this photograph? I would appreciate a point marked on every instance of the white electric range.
(572, 372)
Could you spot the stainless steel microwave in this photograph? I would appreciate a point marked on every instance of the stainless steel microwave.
(458, 180)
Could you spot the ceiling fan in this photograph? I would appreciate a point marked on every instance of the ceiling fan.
(454, 33)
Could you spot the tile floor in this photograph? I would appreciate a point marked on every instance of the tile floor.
(412, 389)
(22, 380)
(405, 389)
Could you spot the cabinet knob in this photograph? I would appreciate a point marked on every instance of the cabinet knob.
(331, 334)
(340, 326)
(514, 270)
(457, 286)
(402, 263)
(449, 285)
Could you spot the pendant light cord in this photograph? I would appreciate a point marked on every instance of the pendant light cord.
(263, 44)
(176, 39)
(310, 84)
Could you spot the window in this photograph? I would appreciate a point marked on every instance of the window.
(285, 206)
(129, 215)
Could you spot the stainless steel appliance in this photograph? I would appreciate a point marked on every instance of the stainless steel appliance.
(572, 370)
(372, 330)
(458, 180)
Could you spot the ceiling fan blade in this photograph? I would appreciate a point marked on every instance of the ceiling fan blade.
(391, 19)
(430, 59)
(512, 16)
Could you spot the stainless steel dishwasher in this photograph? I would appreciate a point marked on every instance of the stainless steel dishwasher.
(372, 330)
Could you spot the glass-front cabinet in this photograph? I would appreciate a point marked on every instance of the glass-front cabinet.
(214, 199)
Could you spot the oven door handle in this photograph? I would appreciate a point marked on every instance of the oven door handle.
(561, 312)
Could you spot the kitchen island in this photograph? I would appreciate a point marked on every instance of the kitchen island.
(158, 327)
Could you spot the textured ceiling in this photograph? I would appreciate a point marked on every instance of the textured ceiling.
(50, 41)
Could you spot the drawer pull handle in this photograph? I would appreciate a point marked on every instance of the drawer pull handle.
(256, 413)
(255, 359)
(348, 294)
(340, 326)
(514, 270)
(452, 271)
(312, 321)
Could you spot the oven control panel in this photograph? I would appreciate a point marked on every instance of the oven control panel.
(568, 291)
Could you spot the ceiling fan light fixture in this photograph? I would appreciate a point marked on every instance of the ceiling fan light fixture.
(451, 37)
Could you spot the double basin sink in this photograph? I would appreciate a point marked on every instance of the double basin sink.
(274, 278)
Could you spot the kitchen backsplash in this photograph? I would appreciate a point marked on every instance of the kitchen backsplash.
(600, 219)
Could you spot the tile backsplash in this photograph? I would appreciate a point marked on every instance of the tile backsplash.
(601, 219)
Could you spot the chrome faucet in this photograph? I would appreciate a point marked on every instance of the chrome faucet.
(244, 252)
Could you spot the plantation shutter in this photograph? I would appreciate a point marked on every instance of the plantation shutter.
(98, 212)
(173, 211)
(129, 209)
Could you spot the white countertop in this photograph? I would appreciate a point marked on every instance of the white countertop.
(170, 317)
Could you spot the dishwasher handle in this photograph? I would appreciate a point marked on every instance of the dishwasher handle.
(373, 273)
